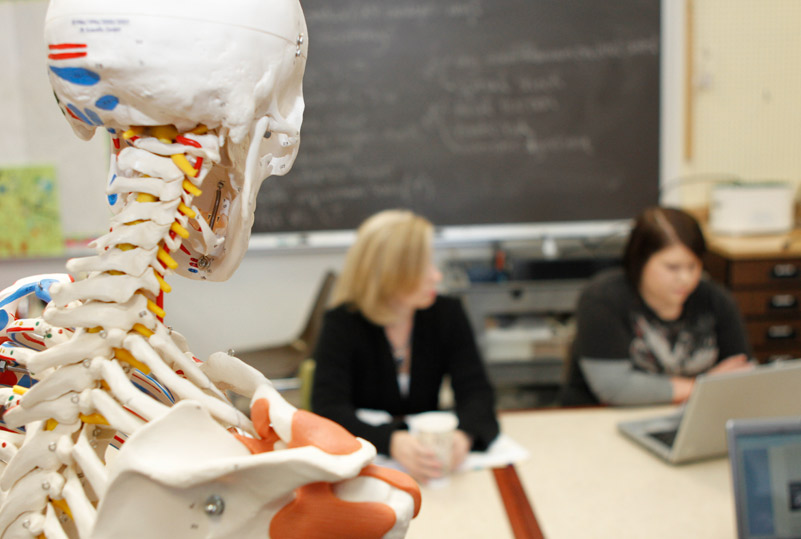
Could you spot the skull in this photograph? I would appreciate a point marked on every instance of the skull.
(235, 67)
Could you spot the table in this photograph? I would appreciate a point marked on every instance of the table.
(468, 506)
(583, 479)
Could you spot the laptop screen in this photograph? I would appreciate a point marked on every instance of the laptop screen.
(765, 456)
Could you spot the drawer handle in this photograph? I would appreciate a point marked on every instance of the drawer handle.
(784, 271)
(783, 301)
(782, 332)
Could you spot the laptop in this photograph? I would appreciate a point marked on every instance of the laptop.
(765, 459)
(698, 431)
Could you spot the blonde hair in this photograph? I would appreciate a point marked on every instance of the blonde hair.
(389, 257)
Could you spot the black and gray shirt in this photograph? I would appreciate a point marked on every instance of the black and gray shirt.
(627, 354)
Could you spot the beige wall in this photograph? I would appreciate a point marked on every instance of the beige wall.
(745, 94)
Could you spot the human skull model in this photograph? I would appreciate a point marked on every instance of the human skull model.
(235, 67)
(124, 432)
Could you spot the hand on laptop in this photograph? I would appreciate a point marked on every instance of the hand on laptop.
(683, 386)
(732, 364)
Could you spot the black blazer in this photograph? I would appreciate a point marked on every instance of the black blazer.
(355, 370)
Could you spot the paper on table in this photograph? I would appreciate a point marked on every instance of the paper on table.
(501, 452)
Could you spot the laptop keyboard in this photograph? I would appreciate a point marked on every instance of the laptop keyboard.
(667, 437)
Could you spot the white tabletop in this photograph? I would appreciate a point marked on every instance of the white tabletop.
(586, 480)
(468, 506)
(583, 479)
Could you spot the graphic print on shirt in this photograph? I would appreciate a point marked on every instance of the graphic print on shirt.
(684, 347)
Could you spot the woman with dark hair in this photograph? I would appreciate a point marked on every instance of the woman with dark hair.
(644, 331)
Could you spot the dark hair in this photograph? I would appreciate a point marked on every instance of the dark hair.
(657, 228)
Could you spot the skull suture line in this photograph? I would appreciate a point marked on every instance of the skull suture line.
(203, 100)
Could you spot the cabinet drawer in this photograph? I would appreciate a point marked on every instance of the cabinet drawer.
(765, 272)
(554, 296)
(769, 302)
(775, 333)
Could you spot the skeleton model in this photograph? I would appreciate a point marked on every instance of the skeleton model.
(124, 432)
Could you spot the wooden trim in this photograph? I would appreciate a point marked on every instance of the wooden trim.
(689, 79)
(518, 509)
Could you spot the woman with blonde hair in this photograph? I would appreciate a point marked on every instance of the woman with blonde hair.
(390, 340)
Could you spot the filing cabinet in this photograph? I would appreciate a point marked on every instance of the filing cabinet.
(766, 283)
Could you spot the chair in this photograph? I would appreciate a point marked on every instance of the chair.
(574, 390)
(284, 360)
(306, 375)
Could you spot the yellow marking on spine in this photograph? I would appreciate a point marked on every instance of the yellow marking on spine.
(178, 229)
(137, 222)
(104, 385)
(146, 197)
(186, 210)
(183, 163)
(199, 130)
(139, 328)
(96, 329)
(124, 355)
(51, 424)
(163, 285)
(134, 131)
(94, 419)
(165, 133)
(62, 504)
(155, 309)
(126, 246)
(19, 390)
(115, 272)
(190, 188)
(167, 259)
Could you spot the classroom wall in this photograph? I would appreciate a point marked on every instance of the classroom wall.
(744, 116)
(741, 108)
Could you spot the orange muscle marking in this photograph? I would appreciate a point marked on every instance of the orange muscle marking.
(398, 480)
(256, 446)
(260, 415)
(307, 429)
(316, 513)
(311, 429)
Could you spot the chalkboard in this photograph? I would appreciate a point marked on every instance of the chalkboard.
(474, 112)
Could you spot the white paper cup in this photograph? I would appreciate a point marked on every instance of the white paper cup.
(435, 431)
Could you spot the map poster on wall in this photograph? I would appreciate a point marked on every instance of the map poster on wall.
(30, 224)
